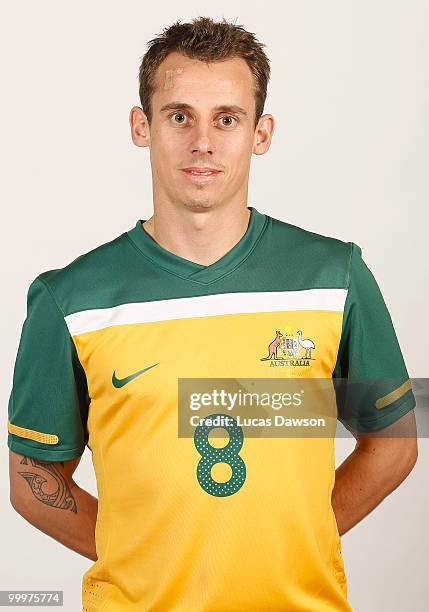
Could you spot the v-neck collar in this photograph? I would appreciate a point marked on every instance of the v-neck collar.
(194, 271)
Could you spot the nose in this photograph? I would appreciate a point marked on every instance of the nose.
(202, 140)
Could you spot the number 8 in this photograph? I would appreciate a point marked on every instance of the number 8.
(228, 454)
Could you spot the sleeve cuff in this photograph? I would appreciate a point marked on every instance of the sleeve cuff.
(383, 419)
(48, 454)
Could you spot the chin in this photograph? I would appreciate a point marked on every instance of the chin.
(199, 204)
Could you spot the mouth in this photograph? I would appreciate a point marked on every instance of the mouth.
(201, 175)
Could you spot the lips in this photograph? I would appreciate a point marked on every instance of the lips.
(200, 175)
(201, 171)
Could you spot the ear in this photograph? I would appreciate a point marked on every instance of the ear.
(140, 130)
(263, 134)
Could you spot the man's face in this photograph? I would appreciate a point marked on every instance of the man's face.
(202, 117)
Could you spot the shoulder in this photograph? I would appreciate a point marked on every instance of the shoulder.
(324, 257)
(72, 285)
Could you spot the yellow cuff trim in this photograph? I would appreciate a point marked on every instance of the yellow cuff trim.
(31, 434)
(384, 401)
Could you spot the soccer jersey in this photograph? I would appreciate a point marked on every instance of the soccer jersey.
(104, 344)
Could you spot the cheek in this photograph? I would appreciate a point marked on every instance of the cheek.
(237, 156)
(165, 153)
(237, 147)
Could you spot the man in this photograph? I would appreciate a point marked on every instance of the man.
(204, 288)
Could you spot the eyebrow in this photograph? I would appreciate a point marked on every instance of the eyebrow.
(220, 109)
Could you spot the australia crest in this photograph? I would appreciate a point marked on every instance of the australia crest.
(290, 349)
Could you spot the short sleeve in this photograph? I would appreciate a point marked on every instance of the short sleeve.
(48, 404)
(378, 390)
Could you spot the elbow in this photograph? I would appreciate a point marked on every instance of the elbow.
(15, 503)
(407, 460)
(18, 502)
(412, 456)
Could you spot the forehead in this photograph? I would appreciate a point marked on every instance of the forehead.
(224, 82)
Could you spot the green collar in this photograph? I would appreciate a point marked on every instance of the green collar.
(197, 272)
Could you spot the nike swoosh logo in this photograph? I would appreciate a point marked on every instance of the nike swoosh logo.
(120, 382)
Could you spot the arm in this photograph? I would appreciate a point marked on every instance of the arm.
(45, 494)
(375, 468)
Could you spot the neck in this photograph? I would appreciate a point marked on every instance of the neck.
(202, 236)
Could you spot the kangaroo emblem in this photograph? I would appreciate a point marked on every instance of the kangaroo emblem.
(272, 347)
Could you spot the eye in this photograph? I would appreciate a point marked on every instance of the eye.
(180, 117)
(230, 120)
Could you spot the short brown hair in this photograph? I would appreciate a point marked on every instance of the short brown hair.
(207, 41)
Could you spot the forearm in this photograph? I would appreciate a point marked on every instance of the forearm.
(76, 530)
(46, 495)
(367, 476)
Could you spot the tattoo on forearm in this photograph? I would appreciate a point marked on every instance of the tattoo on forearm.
(61, 498)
